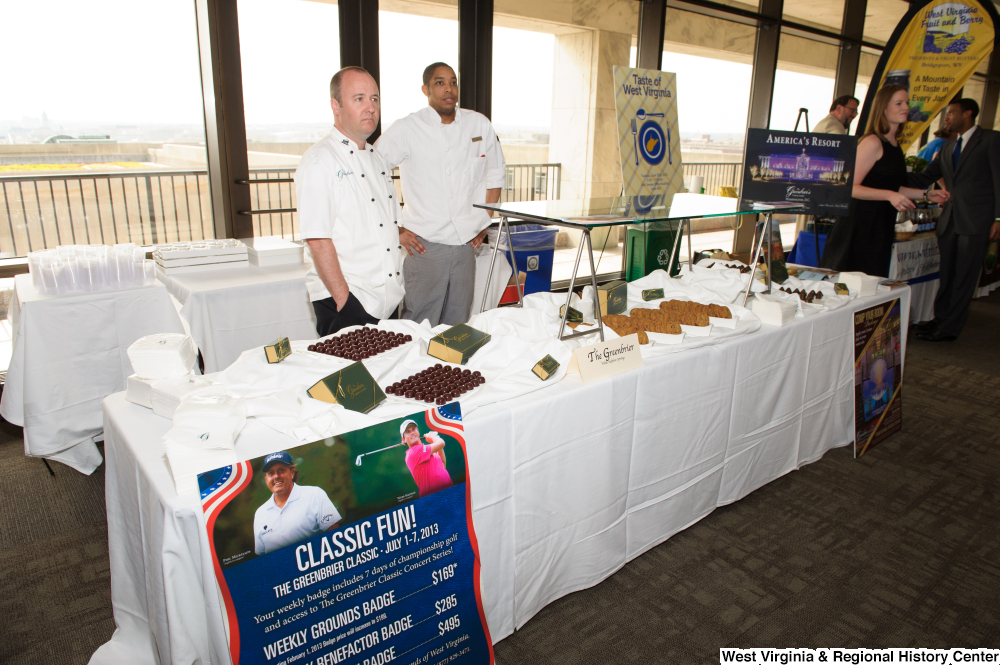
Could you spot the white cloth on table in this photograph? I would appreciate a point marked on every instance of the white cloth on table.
(230, 311)
(568, 484)
(345, 193)
(69, 353)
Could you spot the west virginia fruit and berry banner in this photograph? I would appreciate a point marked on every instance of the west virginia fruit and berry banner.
(933, 52)
(354, 549)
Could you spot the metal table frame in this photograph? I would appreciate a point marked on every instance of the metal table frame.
(585, 229)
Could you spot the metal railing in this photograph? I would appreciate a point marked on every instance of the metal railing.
(150, 207)
(717, 174)
(42, 211)
(532, 182)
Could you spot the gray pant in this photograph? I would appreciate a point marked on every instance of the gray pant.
(961, 264)
(439, 283)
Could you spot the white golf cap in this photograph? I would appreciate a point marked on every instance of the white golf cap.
(406, 423)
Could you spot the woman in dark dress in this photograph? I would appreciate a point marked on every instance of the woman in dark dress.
(863, 240)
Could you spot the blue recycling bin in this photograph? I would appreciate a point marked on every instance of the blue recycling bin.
(804, 252)
(534, 250)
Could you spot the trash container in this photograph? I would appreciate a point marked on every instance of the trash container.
(647, 248)
(534, 249)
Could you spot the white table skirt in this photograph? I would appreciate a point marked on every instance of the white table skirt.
(230, 311)
(568, 484)
(69, 353)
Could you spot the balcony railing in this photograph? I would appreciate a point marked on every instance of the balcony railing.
(150, 207)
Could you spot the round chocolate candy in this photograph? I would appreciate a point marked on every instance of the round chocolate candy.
(440, 401)
(311, 347)
(466, 372)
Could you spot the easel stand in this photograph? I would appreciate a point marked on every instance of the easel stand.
(765, 234)
(584, 239)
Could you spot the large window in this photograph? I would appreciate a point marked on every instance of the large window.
(289, 49)
(407, 44)
(523, 128)
(804, 79)
(91, 119)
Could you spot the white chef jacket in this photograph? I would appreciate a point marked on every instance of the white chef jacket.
(307, 512)
(444, 170)
(346, 194)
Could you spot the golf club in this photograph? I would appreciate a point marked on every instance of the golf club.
(357, 462)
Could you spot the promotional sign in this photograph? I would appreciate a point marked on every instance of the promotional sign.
(604, 359)
(812, 170)
(354, 549)
(649, 139)
(878, 375)
(913, 259)
(991, 273)
(933, 52)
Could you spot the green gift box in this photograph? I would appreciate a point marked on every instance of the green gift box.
(352, 387)
(613, 297)
(575, 315)
(457, 344)
(278, 350)
(652, 294)
(545, 367)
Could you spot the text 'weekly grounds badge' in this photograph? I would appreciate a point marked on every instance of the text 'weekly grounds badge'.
(354, 549)
(878, 376)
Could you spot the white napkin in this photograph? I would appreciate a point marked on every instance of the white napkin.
(162, 355)
(774, 311)
(860, 283)
(168, 393)
(139, 391)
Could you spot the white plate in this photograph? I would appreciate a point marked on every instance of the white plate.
(697, 331)
(663, 338)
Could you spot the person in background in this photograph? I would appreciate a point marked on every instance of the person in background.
(843, 111)
(941, 136)
(347, 213)
(862, 241)
(449, 158)
(970, 167)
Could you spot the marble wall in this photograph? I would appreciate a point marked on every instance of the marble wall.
(583, 136)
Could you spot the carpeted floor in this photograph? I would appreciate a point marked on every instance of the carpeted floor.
(898, 548)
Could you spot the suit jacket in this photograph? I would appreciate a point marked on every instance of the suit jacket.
(829, 125)
(974, 184)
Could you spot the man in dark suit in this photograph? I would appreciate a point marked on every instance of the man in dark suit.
(970, 166)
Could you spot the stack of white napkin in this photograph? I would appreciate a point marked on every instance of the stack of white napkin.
(162, 355)
(203, 436)
(168, 393)
(860, 283)
(772, 311)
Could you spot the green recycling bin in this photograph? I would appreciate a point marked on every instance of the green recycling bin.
(647, 248)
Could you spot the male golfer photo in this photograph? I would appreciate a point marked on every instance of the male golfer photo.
(426, 461)
(294, 512)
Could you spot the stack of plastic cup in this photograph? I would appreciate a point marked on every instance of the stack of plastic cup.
(90, 268)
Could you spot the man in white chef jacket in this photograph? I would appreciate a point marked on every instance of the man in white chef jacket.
(449, 158)
(348, 212)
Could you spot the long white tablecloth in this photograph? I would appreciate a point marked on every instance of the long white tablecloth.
(568, 483)
(69, 353)
(230, 311)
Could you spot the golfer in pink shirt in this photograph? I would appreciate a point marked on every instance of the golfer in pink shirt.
(426, 461)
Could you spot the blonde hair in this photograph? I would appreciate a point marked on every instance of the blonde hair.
(877, 123)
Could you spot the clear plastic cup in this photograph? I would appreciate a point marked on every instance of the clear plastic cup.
(148, 272)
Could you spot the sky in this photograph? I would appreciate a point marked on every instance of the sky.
(146, 71)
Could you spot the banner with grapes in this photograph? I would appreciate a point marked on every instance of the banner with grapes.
(933, 52)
